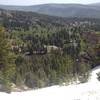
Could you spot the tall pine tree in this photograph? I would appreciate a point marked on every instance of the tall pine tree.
(7, 66)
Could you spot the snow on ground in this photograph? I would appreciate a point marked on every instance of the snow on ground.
(86, 91)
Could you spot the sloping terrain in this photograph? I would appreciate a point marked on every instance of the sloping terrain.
(86, 91)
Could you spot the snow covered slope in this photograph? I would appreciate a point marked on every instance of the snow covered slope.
(86, 91)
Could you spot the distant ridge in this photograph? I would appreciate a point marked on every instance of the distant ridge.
(61, 10)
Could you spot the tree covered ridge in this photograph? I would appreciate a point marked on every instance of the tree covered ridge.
(45, 50)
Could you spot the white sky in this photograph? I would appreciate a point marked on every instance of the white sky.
(34, 2)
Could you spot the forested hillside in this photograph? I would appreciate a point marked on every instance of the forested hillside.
(38, 50)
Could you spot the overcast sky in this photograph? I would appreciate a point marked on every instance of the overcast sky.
(34, 2)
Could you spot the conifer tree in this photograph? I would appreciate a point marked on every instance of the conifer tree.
(7, 66)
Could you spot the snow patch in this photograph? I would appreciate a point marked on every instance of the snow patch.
(85, 91)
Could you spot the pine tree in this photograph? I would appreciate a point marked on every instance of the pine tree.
(7, 66)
